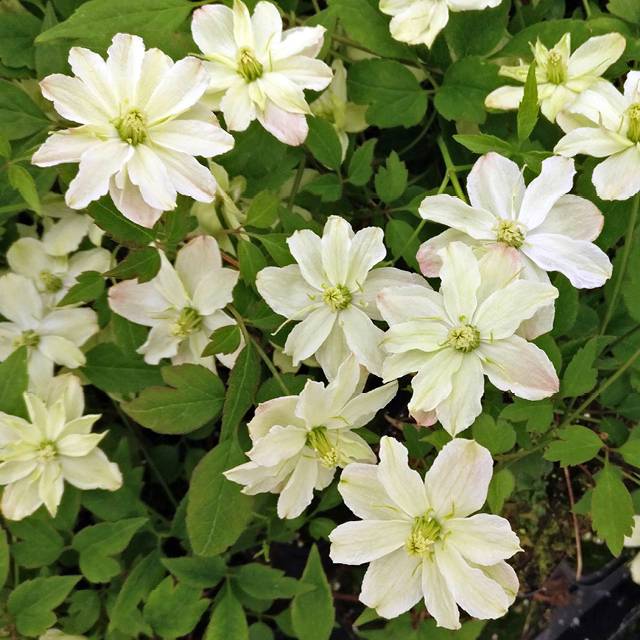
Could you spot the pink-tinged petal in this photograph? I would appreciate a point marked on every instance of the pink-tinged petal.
(618, 177)
(212, 30)
(307, 337)
(367, 540)
(428, 254)
(452, 212)
(383, 278)
(299, 41)
(128, 200)
(438, 598)
(289, 128)
(515, 365)
(124, 64)
(65, 146)
(139, 303)
(573, 217)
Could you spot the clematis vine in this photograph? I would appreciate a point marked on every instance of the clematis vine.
(332, 290)
(299, 441)
(561, 76)
(420, 538)
(183, 305)
(54, 445)
(466, 331)
(257, 71)
(141, 124)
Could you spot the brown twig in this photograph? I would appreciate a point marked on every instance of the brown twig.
(576, 526)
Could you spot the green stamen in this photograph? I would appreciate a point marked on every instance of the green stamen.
(337, 298)
(249, 67)
(51, 282)
(47, 451)
(509, 234)
(318, 441)
(27, 339)
(633, 112)
(425, 531)
(187, 322)
(465, 338)
(132, 127)
(556, 68)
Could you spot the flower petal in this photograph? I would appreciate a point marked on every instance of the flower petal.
(280, 443)
(128, 200)
(422, 335)
(365, 251)
(65, 146)
(335, 248)
(433, 382)
(460, 280)
(428, 253)
(363, 338)
(411, 302)
(306, 248)
(618, 177)
(298, 492)
(307, 337)
(366, 540)
(140, 303)
(596, 55)
(72, 100)
(452, 212)
(20, 499)
(124, 64)
(286, 291)
(504, 98)
(237, 107)
(20, 301)
(438, 598)
(149, 174)
(212, 30)
(193, 137)
(592, 141)
(381, 278)
(273, 412)
(93, 471)
(574, 217)
(289, 128)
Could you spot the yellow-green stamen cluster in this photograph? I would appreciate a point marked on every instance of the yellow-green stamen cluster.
(47, 451)
(51, 282)
(132, 127)
(509, 234)
(186, 323)
(338, 297)
(633, 112)
(465, 338)
(28, 338)
(425, 531)
(556, 68)
(318, 441)
(249, 67)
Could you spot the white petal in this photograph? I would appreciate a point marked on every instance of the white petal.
(93, 471)
(366, 250)
(20, 301)
(618, 177)
(438, 598)
(61, 351)
(422, 335)
(188, 176)
(306, 248)
(280, 443)
(602, 105)
(335, 248)
(381, 278)
(215, 291)
(592, 141)
(304, 41)
(433, 382)
(307, 337)
(504, 98)
(15, 470)
(93, 71)
(363, 338)
(452, 212)
(333, 352)
(160, 343)
(306, 72)
(574, 217)
(428, 253)
(420, 23)
(51, 486)
(140, 303)
(65, 146)
(76, 325)
(195, 259)
(169, 284)
(149, 174)
(212, 29)
(298, 492)
(634, 539)
(460, 280)
(20, 499)
(267, 27)
(596, 55)
(289, 128)
(361, 410)
(124, 63)
(237, 107)
(193, 137)
(72, 100)
(128, 200)
(366, 540)
(499, 266)
(400, 364)
(79, 444)
(401, 304)
(286, 291)
(155, 66)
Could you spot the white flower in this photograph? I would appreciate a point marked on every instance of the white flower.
(332, 290)
(50, 335)
(419, 539)
(56, 634)
(605, 123)
(561, 76)
(420, 21)
(299, 441)
(550, 230)
(346, 117)
(55, 444)
(456, 337)
(140, 129)
(633, 541)
(258, 71)
(182, 304)
(54, 275)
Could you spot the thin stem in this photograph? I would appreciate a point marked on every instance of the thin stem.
(624, 261)
(419, 137)
(576, 525)
(296, 183)
(587, 8)
(451, 169)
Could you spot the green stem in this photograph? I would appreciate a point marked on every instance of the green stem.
(451, 169)
(296, 183)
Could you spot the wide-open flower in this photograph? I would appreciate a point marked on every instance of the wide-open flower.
(420, 21)
(332, 289)
(561, 76)
(299, 441)
(346, 117)
(140, 129)
(466, 331)
(182, 304)
(54, 275)
(258, 71)
(52, 336)
(53, 445)
(633, 542)
(605, 123)
(420, 538)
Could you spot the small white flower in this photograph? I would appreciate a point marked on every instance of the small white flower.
(420, 21)
(332, 289)
(420, 538)
(346, 117)
(52, 336)
(561, 76)
(141, 126)
(55, 444)
(605, 123)
(256, 70)
(633, 541)
(299, 441)
(183, 305)
(466, 331)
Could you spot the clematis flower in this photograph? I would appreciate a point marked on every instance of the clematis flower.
(420, 21)
(52, 336)
(632, 542)
(561, 76)
(332, 289)
(53, 445)
(54, 275)
(141, 126)
(605, 123)
(346, 117)
(550, 230)
(299, 441)
(420, 538)
(182, 305)
(466, 331)
(257, 71)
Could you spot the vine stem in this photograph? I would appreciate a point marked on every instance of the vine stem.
(296, 183)
(451, 169)
(576, 525)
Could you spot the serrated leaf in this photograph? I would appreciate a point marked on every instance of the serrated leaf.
(228, 621)
(581, 375)
(17, 32)
(399, 237)
(360, 169)
(500, 488)
(14, 380)
(323, 143)
(20, 116)
(89, 286)
(577, 444)
(498, 436)
(142, 264)
(223, 340)
(37, 543)
(391, 180)
(263, 210)
(529, 108)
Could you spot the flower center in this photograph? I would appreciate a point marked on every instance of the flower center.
(51, 282)
(465, 338)
(249, 67)
(509, 234)
(47, 451)
(187, 322)
(132, 127)
(556, 68)
(634, 122)
(27, 339)
(425, 531)
(338, 297)
(318, 441)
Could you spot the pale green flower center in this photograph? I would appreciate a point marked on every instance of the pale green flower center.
(634, 122)
(465, 338)
(337, 298)
(51, 282)
(249, 67)
(510, 234)
(424, 533)
(27, 339)
(318, 441)
(556, 68)
(186, 323)
(132, 127)
(47, 451)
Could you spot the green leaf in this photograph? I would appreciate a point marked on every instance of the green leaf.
(529, 108)
(577, 444)
(391, 180)
(581, 375)
(14, 380)
(38, 543)
(324, 144)
(266, 583)
(630, 451)
(483, 143)
(500, 488)
(19, 115)
(89, 286)
(5, 559)
(166, 600)
(549, 32)
(498, 436)
(477, 32)
(400, 238)
(327, 187)
(50, 58)
(277, 248)
(223, 340)
(121, 229)
(360, 170)
(83, 612)
(611, 508)
(228, 621)
(21, 180)
(5, 147)
(193, 398)
(242, 386)
(98, 543)
(263, 210)
(392, 91)
(32, 602)
(251, 260)
(197, 571)
(628, 10)
(17, 32)
(217, 511)
(313, 613)
(142, 264)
